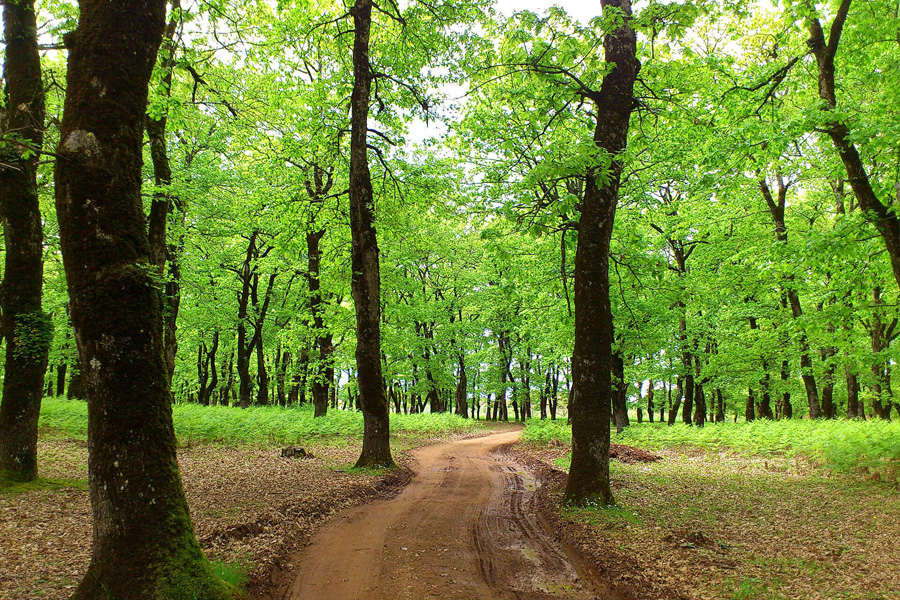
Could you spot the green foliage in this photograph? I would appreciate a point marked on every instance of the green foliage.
(33, 335)
(258, 425)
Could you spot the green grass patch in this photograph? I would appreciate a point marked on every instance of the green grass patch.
(839, 444)
(235, 573)
(352, 469)
(258, 424)
(8, 486)
(608, 517)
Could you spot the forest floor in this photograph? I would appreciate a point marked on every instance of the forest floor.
(251, 508)
(718, 524)
(465, 527)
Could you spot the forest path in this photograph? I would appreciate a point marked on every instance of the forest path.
(465, 527)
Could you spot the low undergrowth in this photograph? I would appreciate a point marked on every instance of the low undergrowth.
(259, 424)
(838, 444)
(8, 486)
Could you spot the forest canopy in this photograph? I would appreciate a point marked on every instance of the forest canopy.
(672, 211)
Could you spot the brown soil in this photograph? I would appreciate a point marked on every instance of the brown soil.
(465, 527)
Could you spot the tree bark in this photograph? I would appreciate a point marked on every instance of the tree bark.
(143, 544)
(619, 394)
(461, 403)
(26, 328)
(791, 299)
(365, 282)
(588, 478)
(163, 254)
(882, 216)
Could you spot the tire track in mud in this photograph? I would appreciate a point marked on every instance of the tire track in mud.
(464, 528)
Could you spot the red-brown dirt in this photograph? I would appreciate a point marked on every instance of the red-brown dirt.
(465, 527)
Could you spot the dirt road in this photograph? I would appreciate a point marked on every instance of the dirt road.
(463, 528)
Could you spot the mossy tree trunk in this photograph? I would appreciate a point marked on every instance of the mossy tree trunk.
(143, 541)
(366, 278)
(592, 359)
(25, 327)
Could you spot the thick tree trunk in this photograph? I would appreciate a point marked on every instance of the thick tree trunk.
(143, 545)
(24, 325)
(750, 408)
(592, 359)
(365, 282)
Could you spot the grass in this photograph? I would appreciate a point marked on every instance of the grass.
(18, 487)
(258, 424)
(839, 444)
(236, 573)
(609, 517)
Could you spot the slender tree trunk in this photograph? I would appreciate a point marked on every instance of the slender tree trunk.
(366, 278)
(855, 408)
(143, 545)
(674, 406)
(61, 369)
(650, 405)
(163, 202)
(25, 327)
(461, 403)
(592, 359)
(244, 349)
(880, 213)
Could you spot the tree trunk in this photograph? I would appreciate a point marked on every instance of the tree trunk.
(76, 383)
(245, 350)
(61, 369)
(750, 408)
(620, 392)
(588, 478)
(365, 282)
(461, 403)
(143, 545)
(26, 328)
(163, 202)
(679, 393)
(882, 216)
(650, 406)
(855, 408)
